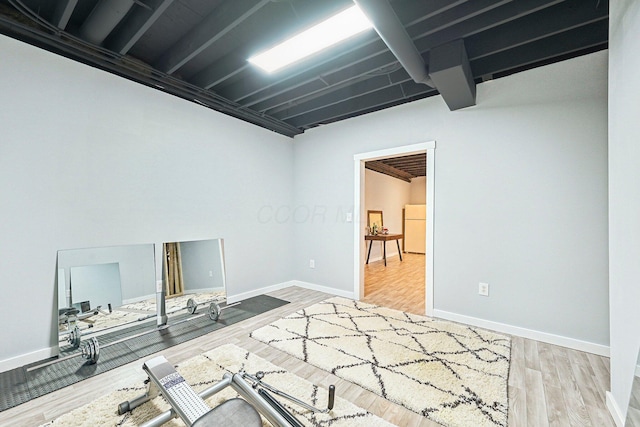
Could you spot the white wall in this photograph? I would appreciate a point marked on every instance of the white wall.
(418, 191)
(90, 159)
(624, 195)
(389, 195)
(520, 198)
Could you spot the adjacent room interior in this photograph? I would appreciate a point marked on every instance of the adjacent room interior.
(185, 215)
(395, 202)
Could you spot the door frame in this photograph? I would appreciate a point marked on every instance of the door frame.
(359, 160)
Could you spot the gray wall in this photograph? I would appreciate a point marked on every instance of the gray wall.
(520, 198)
(90, 159)
(624, 195)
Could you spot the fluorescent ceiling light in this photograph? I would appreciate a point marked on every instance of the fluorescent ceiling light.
(327, 33)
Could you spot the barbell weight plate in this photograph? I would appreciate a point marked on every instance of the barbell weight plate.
(96, 347)
(74, 337)
(191, 306)
(91, 350)
(214, 311)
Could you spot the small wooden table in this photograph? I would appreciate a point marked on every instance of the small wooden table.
(384, 238)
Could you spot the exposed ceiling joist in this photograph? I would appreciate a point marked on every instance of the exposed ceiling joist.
(380, 167)
(212, 28)
(63, 12)
(205, 45)
(137, 23)
(404, 168)
(365, 53)
(103, 19)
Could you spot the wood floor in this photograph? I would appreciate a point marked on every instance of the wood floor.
(399, 285)
(548, 385)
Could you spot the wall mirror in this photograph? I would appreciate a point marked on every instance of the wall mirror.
(374, 218)
(99, 288)
(194, 273)
(633, 412)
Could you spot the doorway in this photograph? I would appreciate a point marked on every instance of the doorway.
(395, 200)
(361, 218)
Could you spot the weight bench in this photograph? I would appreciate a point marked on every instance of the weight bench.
(192, 409)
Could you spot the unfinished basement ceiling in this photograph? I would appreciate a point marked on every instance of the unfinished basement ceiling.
(198, 49)
(404, 168)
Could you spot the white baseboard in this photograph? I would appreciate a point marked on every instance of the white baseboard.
(331, 291)
(231, 298)
(320, 288)
(614, 410)
(25, 359)
(573, 343)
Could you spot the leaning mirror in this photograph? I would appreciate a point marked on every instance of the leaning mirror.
(97, 288)
(374, 221)
(194, 275)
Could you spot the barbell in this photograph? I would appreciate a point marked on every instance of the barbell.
(90, 349)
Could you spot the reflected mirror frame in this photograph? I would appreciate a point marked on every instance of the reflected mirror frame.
(142, 275)
(372, 216)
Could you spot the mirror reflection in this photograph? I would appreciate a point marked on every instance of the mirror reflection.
(96, 286)
(102, 290)
(374, 222)
(193, 270)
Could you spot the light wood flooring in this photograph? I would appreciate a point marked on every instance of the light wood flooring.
(399, 285)
(548, 385)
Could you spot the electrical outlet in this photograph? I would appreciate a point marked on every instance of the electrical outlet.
(210, 273)
(483, 289)
(312, 263)
(349, 217)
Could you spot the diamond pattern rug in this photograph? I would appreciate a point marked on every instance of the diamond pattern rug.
(453, 374)
(205, 370)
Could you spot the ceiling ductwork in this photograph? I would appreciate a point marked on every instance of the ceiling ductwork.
(448, 71)
(103, 19)
(451, 74)
(392, 32)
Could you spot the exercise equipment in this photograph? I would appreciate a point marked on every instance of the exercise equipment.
(192, 409)
(71, 317)
(91, 348)
(74, 337)
(213, 309)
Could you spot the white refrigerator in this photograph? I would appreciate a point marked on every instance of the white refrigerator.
(415, 226)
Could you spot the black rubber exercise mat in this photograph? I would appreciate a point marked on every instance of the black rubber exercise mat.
(28, 382)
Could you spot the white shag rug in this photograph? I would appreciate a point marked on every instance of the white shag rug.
(203, 371)
(453, 374)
